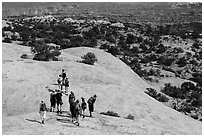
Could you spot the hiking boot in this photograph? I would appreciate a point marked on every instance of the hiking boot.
(43, 122)
(77, 123)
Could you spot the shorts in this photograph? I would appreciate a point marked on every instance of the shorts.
(91, 107)
(59, 102)
(53, 104)
(43, 114)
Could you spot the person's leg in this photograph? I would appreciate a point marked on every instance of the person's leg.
(41, 116)
(83, 113)
(57, 107)
(66, 89)
(44, 116)
(54, 104)
(77, 120)
(61, 108)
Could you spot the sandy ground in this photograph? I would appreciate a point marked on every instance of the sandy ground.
(118, 89)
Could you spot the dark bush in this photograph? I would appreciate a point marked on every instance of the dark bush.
(172, 91)
(158, 96)
(110, 38)
(44, 53)
(110, 113)
(162, 98)
(152, 92)
(89, 58)
(161, 49)
(165, 60)
(7, 40)
(24, 56)
(181, 62)
(130, 117)
(187, 86)
(130, 39)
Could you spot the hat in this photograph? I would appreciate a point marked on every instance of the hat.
(42, 100)
(94, 96)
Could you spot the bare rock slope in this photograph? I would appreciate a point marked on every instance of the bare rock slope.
(118, 89)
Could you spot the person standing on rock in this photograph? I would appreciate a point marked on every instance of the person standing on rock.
(52, 101)
(66, 84)
(63, 76)
(59, 81)
(91, 102)
(77, 110)
(42, 111)
(72, 104)
(83, 107)
(59, 101)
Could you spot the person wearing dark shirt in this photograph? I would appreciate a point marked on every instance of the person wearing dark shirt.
(71, 104)
(52, 101)
(59, 101)
(91, 102)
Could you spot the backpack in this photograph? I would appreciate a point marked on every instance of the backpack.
(83, 105)
(42, 107)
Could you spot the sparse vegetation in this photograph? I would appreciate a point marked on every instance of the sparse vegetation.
(142, 46)
(131, 117)
(110, 113)
(89, 58)
(158, 96)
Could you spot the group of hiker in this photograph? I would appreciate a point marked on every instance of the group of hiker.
(76, 108)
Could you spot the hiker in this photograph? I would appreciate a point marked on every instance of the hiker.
(52, 101)
(63, 76)
(59, 101)
(91, 102)
(77, 109)
(59, 81)
(71, 103)
(66, 84)
(83, 107)
(42, 111)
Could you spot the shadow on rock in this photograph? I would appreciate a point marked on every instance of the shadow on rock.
(65, 120)
(33, 120)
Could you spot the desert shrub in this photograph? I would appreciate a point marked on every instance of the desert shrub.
(105, 46)
(130, 117)
(185, 108)
(77, 41)
(162, 98)
(166, 60)
(187, 86)
(24, 56)
(181, 62)
(110, 38)
(7, 40)
(89, 58)
(110, 113)
(161, 49)
(152, 92)
(158, 96)
(44, 53)
(130, 39)
(173, 91)
(92, 42)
